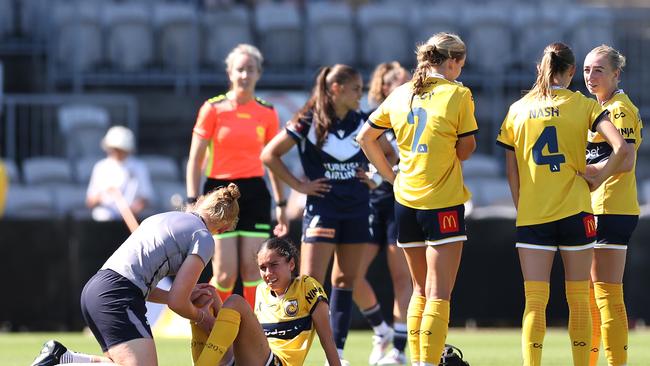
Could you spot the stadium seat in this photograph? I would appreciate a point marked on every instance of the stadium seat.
(481, 166)
(428, 20)
(46, 170)
(34, 18)
(384, 34)
(280, 32)
(644, 192)
(161, 168)
(488, 38)
(536, 27)
(590, 27)
(29, 202)
(171, 196)
(83, 168)
(82, 128)
(177, 35)
(6, 18)
(12, 171)
(129, 40)
(76, 36)
(331, 34)
(223, 30)
(70, 199)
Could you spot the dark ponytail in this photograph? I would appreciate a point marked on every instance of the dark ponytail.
(557, 59)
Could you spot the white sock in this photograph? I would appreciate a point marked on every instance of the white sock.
(340, 352)
(76, 357)
(381, 329)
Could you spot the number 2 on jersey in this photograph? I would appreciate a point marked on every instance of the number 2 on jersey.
(418, 116)
(548, 138)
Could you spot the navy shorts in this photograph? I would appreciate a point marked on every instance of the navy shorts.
(614, 231)
(254, 207)
(383, 228)
(335, 230)
(418, 228)
(114, 309)
(575, 232)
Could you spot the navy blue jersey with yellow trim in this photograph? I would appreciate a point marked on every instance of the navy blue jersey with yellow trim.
(287, 321)
(337, 160)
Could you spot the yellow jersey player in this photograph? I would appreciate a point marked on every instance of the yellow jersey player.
(288, 311)
(614, 203)
(433, 120)
(545, 137)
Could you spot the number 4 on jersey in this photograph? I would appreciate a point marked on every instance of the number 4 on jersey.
(553, 160)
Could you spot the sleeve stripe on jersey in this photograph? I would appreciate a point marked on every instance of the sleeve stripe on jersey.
(319, 299)
(598, 119)
(294, 134)
(377, 127)
(505, 146)
(474, 132)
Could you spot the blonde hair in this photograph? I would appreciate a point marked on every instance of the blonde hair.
(615, 58)
(557, 59)
(219, 206)
(438, 49)
(384, 73)
(245, 49)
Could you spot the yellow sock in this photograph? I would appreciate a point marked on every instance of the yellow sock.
(433, 330)
(413, 322)
(533, 325)
(198, 341)
(595, 328)
(609, 297)
(577, 296)
(224, 332)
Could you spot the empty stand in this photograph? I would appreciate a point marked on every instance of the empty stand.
(46, 171)
(331, 36)
(29, 202)
(221, 31)
(384, 34)
(129, 36)
(280, 34)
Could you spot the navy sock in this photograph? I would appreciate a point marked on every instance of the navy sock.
(373, 315)
(340, 314)
(401, 334)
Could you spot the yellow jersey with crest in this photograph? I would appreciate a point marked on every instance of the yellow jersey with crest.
(427, 128)
(287, 321)
(617, 195)
(549, 138)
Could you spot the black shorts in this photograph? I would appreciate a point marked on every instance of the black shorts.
(114, 309)
(614, 231)
(335, 230)
(383, 228)
(254, 207)
(576, 232)
(419, 228)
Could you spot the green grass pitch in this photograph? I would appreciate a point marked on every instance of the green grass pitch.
(482, 347)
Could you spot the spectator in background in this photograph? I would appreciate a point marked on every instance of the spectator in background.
(118, 178)
(433, 120)
(544, 134)
(614, 203)
(232, 128)
(386, 77)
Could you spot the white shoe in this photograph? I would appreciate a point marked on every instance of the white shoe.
(380, 344)
(393, 357)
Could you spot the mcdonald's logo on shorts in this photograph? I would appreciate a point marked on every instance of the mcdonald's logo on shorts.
(448, 221)
(590, 225)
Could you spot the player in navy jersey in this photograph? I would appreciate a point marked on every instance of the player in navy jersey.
(336, 212)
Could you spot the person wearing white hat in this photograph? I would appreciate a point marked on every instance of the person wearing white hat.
(118, 173)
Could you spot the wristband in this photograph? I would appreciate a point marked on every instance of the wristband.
(191, 200)
(281, 203)
(377, 178)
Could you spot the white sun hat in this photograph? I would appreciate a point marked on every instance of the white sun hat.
(119, 137)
